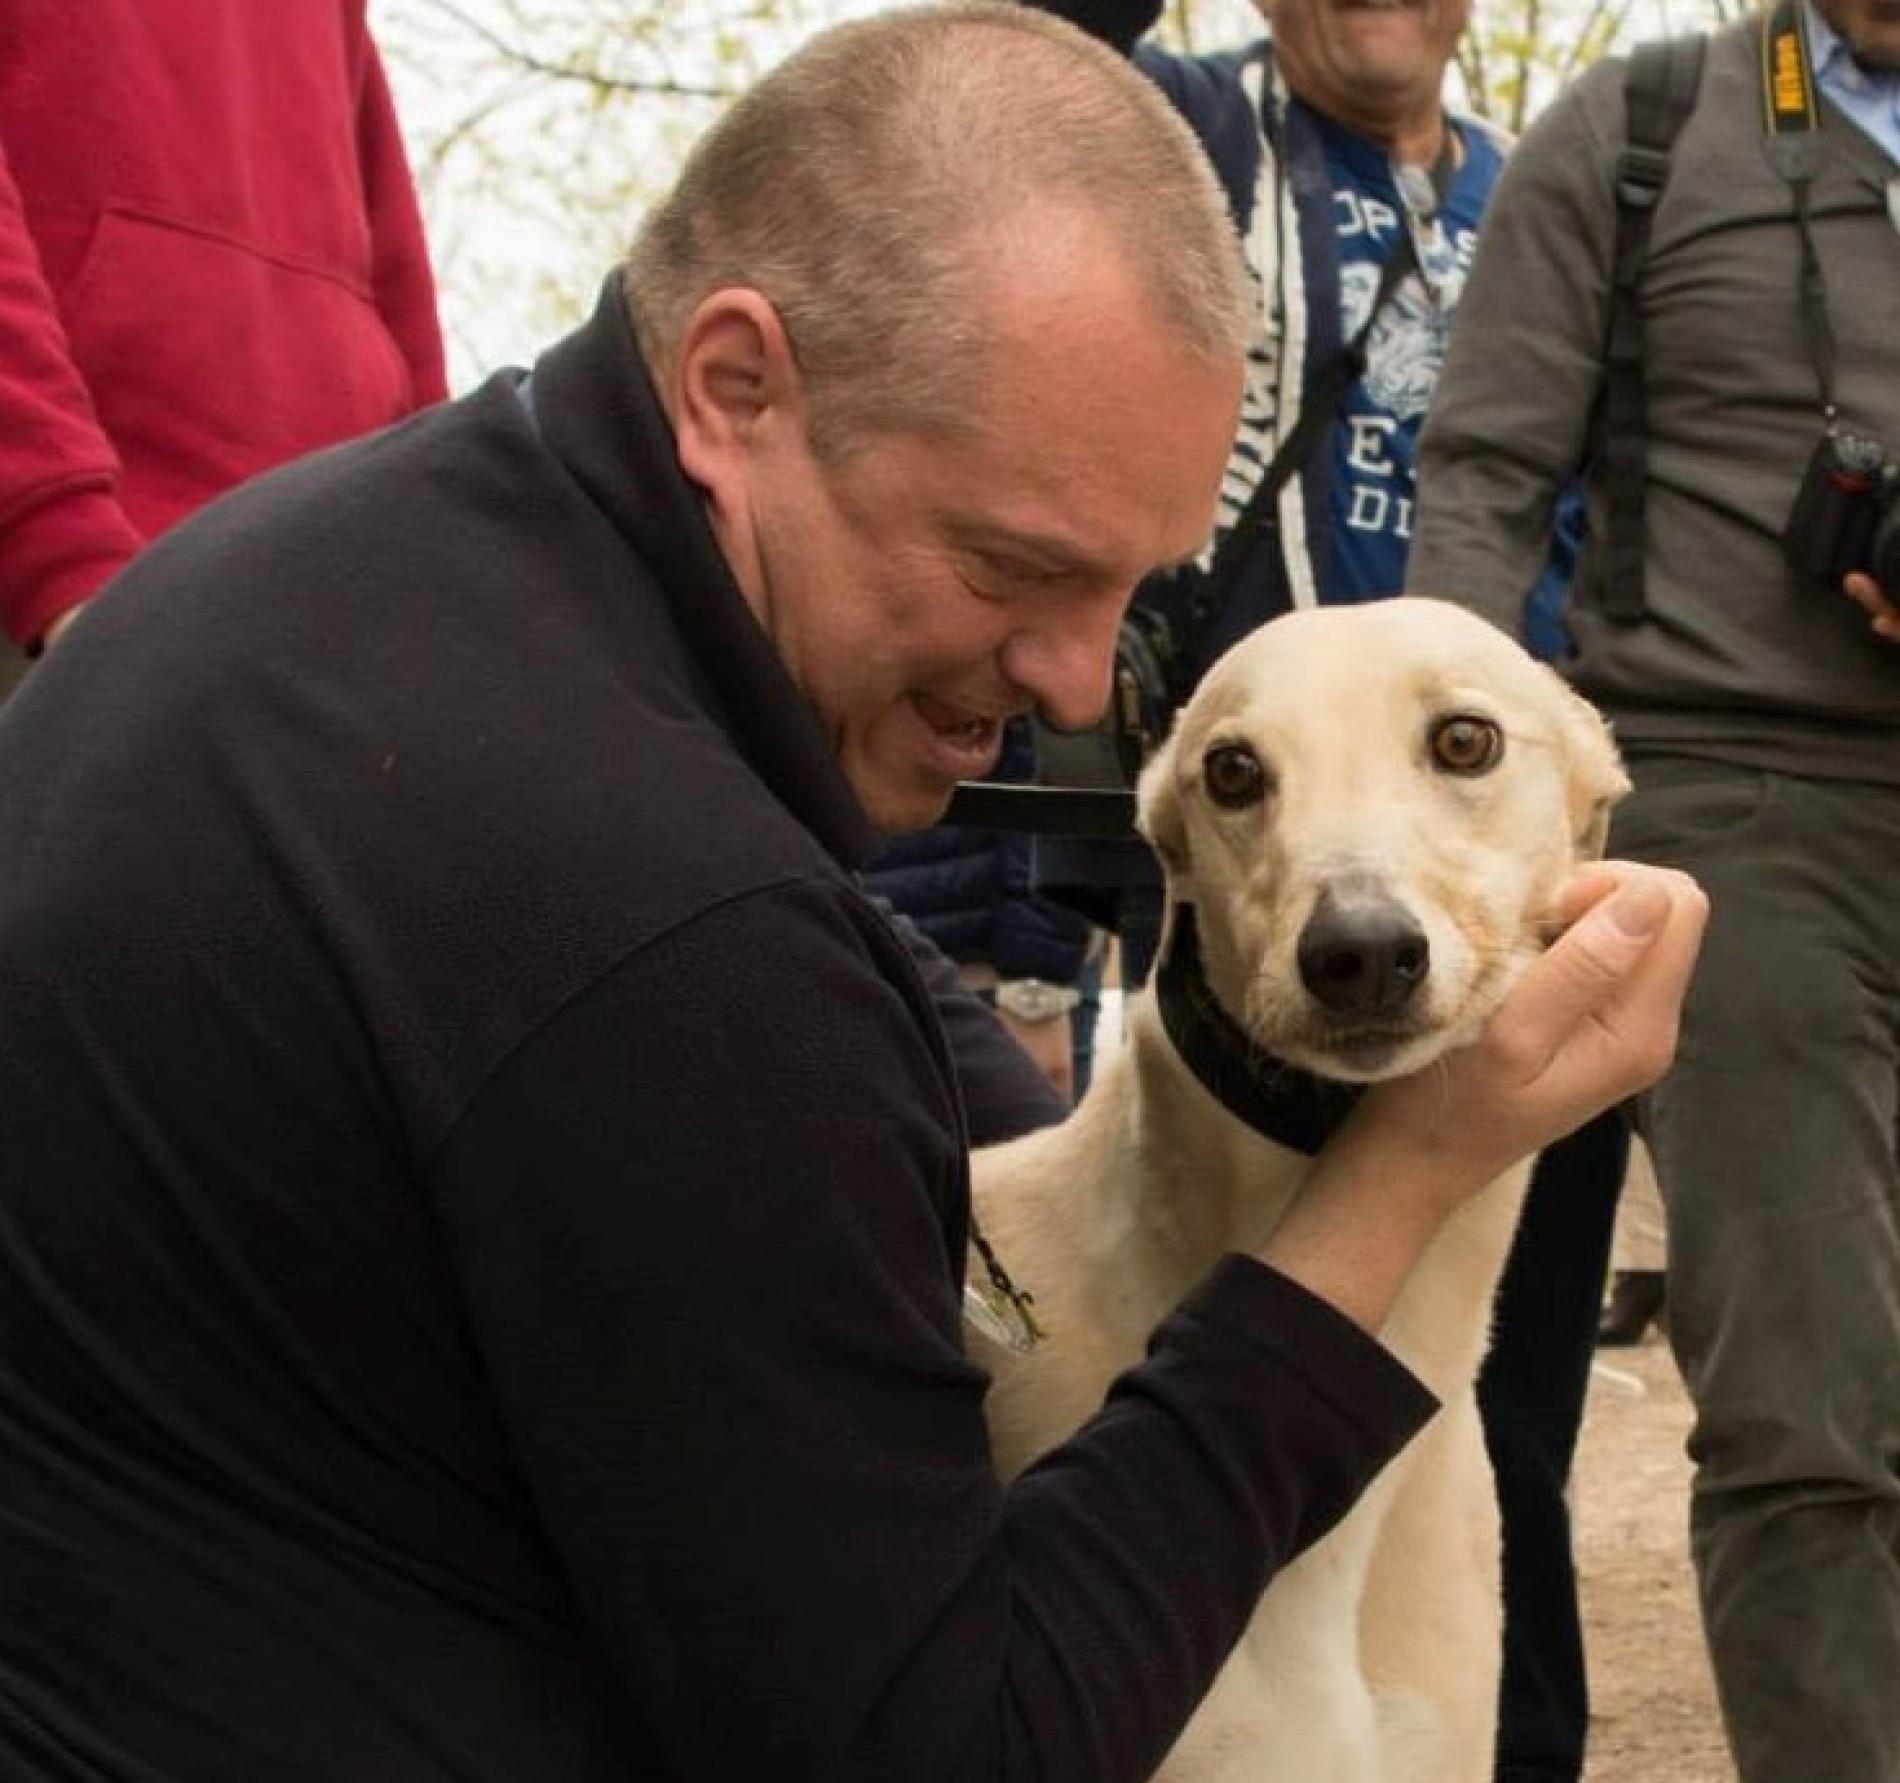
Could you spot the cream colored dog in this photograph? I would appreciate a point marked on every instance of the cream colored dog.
(1369, 811)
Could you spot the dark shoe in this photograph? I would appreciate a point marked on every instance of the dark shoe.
(1635, 1303)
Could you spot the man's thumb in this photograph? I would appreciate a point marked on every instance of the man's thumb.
(1588, 964)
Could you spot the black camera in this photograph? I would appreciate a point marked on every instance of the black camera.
(1847, 514)
(1153, 678)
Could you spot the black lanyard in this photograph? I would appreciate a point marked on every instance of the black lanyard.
(1797, 149)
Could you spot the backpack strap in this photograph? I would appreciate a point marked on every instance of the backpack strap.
(1659, 92)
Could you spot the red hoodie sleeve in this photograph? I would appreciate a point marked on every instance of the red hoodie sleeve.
(405, 287)
(62, 529)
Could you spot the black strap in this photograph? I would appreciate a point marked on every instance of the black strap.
(1105, 813)
(1319, 409)
(1797, 148)
(1659, 92)
(1814, 317)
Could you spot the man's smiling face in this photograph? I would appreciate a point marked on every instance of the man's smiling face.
(1371, 64)
(924, 587)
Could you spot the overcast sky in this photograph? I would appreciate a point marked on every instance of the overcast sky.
(527, 211)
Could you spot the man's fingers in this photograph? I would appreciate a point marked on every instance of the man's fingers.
(1591, 884)
(1623, 966)
(1591, 1021)
(1885, 615)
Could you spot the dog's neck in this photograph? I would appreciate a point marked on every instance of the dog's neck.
(1291, 1107)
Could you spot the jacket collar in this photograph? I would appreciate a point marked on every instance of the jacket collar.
(597, 411)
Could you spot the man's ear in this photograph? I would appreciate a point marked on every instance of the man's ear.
(732, 383)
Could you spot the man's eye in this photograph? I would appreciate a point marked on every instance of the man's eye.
(1021, 574)
(1466, 745)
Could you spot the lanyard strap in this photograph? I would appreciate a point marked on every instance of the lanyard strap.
(1319, 403)
(1797, 149)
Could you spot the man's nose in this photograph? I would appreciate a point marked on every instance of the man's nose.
(1066, 660)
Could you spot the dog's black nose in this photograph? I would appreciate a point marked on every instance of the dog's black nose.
(1363, 956)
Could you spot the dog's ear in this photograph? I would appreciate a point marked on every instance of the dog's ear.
(1158, 813)
(1597, 780)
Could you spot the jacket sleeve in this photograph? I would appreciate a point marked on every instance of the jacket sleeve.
(1508, 423)
(62, 529)
(403, 282)
(707, 1226)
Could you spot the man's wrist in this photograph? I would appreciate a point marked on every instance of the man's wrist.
(1363, 1218)
(1030, 1000)
(56, 628)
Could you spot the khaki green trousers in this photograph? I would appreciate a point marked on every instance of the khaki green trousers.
(1774, 1142)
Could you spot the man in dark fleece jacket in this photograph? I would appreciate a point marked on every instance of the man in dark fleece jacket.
(483, 1235)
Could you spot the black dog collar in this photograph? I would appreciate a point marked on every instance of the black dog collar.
(1287, 1105)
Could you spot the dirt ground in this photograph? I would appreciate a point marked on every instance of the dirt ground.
(1653, 1716)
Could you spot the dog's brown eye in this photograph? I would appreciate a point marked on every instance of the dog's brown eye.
(1466, 745)
(1234, 776)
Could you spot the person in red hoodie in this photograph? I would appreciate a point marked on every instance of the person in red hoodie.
(211, 261)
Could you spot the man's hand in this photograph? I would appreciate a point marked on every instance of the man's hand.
(58, 628)
(1592, 1020)
(1885, 615)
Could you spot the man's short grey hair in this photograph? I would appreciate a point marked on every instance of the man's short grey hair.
(868, 186)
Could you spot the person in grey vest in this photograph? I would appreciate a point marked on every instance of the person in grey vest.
(1759, 711)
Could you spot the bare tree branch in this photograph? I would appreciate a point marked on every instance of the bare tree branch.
(588, 75)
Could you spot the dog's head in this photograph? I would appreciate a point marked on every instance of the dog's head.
(1371, 809)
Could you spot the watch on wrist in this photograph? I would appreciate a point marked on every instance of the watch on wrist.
(1031, 999)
